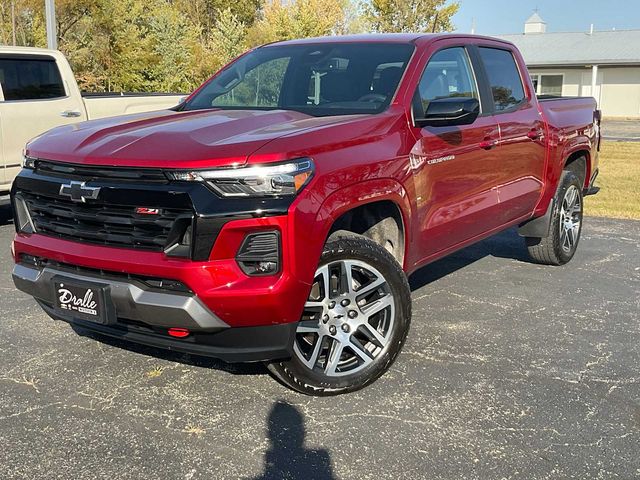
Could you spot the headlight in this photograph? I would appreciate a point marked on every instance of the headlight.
(28, 162)
(282, 179)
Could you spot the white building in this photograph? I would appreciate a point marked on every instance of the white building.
(605, 65)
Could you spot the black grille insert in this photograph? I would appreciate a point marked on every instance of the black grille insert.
(110, 225)
(94, 172)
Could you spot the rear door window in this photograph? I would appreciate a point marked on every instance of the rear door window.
(504, 78)
(30, 79)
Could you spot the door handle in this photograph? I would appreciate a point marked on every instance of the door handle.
(534, 134)
(70, 113)
(488, 144)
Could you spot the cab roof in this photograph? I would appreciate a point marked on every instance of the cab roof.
(384, 38)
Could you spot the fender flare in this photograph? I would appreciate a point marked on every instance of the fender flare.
(363, 193)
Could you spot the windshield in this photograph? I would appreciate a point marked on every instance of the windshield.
(321, 79)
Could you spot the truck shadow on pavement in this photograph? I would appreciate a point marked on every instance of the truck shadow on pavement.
(170, 356)
(506, 244)
(287, 456)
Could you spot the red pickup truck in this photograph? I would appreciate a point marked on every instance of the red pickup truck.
(276, 213)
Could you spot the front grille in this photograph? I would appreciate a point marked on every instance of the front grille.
(111, 225)
(93, 172)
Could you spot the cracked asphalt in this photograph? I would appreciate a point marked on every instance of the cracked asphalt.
(511, 370)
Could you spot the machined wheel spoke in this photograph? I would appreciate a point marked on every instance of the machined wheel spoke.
(308, 327)
(360, 351)
(377, 283)
(373, 334)
(326, 281)
(570, 237)
(377, 305)
(314, 304)
(347, 276)
(313, 358)
(333, 359)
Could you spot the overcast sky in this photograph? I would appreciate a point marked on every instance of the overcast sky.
(508, 16)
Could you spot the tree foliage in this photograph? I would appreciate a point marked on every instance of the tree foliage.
(173, 45)
(410, 15)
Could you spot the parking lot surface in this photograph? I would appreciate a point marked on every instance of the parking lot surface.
(511, 370)
(621, 130)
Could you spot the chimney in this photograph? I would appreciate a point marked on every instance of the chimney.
(535, 24)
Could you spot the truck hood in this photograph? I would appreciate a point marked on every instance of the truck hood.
(168, 139)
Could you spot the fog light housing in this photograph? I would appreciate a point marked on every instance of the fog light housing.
(259, 254)
(24, 223)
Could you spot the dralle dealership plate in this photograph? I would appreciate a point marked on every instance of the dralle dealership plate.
(81, 300)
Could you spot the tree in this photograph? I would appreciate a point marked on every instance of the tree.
(206, 13)
(410, 15)
(299, 19)
(172, 38)
(228, 35)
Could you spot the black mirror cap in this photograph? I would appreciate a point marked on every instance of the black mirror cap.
(443, 112)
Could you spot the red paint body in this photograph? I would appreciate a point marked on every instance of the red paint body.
(358, 158)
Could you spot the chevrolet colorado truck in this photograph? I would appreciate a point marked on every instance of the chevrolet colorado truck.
(38, 91)
(276, 213)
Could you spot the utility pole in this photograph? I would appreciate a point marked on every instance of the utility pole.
(13, 21)
(52, 36)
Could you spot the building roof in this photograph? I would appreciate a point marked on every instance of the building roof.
(616, 47)
(535, 18)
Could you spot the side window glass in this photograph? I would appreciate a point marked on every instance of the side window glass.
(504, 77)
(26, 79)
(260, 87)
(448, 74)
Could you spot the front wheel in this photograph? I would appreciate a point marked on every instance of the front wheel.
(354, 322)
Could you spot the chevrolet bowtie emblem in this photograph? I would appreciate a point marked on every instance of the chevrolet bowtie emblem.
(79, 192)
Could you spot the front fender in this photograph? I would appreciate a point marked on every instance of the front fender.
(369, 191)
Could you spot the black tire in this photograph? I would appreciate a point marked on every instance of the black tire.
(553, 249)
(356, 252)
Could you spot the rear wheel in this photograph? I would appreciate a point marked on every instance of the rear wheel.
(354, 322)
(566, 225)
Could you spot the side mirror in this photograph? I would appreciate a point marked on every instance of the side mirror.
(443, 112)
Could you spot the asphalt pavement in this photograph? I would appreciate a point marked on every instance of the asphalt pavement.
(621, 130)
(511, 370)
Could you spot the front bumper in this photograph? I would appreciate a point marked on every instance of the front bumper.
(144, 316)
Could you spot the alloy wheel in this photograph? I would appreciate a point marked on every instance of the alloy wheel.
(347, 321)
(570, 219)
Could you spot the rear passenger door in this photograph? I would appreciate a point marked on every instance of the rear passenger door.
(521, 150)
(34, 100)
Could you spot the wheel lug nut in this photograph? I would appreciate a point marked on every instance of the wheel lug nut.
(352, 314)
(345, 302)
(325, 318)
(332, 330)
(345, 328)
(332, 304)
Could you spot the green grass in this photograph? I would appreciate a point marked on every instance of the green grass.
(619, 179)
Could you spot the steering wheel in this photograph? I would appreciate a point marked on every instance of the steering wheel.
(373, 97)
